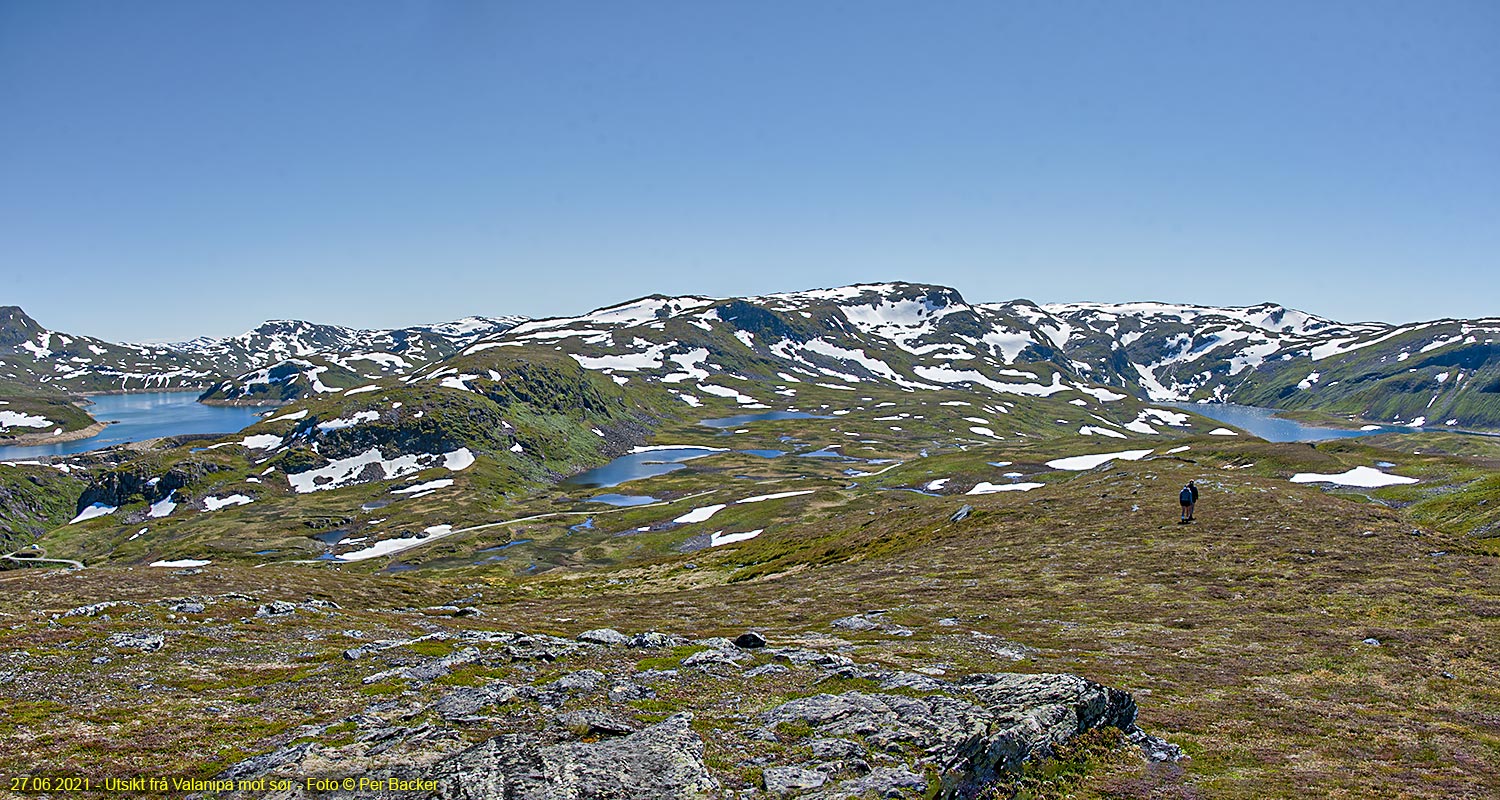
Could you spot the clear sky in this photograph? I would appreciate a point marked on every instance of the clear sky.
(171, 169)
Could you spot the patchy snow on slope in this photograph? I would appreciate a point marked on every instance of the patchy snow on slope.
(345, 422)
(690, 364)
(95, 510)
(724, 391)
(17, 419)
(1222, 432)
(182, 563)
(1092, 430)
(458, 460)
(347, 471)
(950, 375)
(263, 441)
(1100, 393)
(216, 503)
(1309, 381)
(649, 358)
(1080, 463)
(1176, 419)
(162, 507)
(700, 514)
(440, 483)
(1364, 477)
(777, 496)
(933, 486)
(991, 488)
(459, 382)
(718, 538)
(361, 390)
(293, 415)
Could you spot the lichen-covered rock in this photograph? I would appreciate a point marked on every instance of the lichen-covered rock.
(662, 762)
(467, 701)
(1011, 719)
(781, 780)
(604, 636)
(144, 642)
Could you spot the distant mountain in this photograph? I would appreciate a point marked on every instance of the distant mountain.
(916, 337)
(923, 337)
(285, 359)
(39, 363)
(1444, 372)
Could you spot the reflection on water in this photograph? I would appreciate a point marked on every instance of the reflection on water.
(146, 415)
(1262, 423)
(742, 419)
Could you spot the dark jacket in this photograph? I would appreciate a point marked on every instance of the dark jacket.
(1189, 495)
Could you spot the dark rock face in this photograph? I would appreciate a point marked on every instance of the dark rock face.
(120, 487)
(749, 640)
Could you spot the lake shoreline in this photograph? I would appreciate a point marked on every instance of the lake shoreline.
(34, 439)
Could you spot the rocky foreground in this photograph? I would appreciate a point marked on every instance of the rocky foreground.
(596, 732)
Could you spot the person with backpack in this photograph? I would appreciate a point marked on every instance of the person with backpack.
(1188, 497)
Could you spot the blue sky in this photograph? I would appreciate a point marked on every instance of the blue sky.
(171, 169)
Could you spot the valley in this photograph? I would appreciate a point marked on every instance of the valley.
(900, 491)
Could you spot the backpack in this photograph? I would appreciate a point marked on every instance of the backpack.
(1187, 495)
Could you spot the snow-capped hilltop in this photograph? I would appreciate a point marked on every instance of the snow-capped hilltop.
(914, 336)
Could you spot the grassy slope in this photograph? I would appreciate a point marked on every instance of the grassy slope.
(1241, 635)
(23, 397)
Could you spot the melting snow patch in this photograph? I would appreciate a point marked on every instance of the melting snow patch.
(361, 390)
(933, 486)
(216, 503)
(293, 415)
(182, 563)
(162, 507)
(95, 510)
(1365, 477)
(1181, 449)
(700, 514)
(1080, 463)
(458, 460)
(346, 422)
(776, 496)
(440, 483)
(1100, 393)
(1222, 432)
(990, 488)
(716, 539)
(13, 419)
(347, 471)
(1090, 430)
(264, 441)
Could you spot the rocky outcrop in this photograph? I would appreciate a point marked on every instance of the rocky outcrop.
(595, 732)
(662, 762)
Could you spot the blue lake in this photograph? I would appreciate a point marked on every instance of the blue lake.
(1263, 423)
(744, 419)
(146, 415)
(634, 466)
(624, 499)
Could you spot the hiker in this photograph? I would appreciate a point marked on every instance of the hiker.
(1188, 497)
